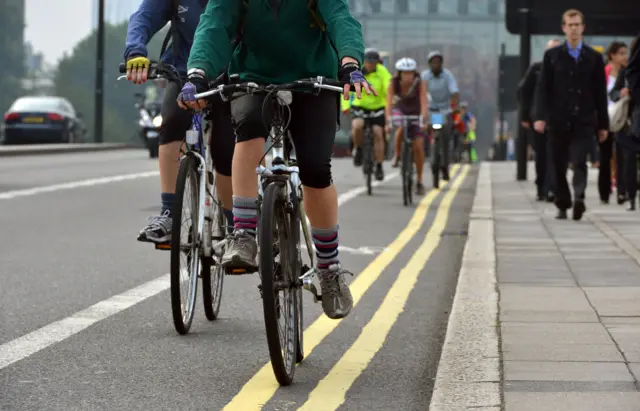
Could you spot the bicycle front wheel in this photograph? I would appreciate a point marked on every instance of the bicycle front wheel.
(213, 272)
(407, 172)
(279, 291)
(185, 247)
(368, 158)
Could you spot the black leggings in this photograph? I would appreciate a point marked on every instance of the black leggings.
(313, 129)
(176, 122)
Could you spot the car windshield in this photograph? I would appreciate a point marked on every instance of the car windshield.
(36, 104)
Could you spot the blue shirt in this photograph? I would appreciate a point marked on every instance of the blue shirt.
(575, 53)
(151, 17)
(441, 88)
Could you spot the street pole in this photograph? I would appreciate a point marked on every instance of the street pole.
(525, 61)
(502, 144)
(99, 93)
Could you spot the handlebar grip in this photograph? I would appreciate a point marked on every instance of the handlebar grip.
(122, 68)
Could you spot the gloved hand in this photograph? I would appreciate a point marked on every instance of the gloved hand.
(197, 83)
(137, 69)
(351, 75)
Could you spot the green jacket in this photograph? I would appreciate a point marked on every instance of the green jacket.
(278, 46)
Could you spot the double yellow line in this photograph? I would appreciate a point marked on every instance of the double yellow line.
(331, 391)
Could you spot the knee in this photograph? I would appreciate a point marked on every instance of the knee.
(175, 124)
(248, 121)
(357, 125)
(316, 175)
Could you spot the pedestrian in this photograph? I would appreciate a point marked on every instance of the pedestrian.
(633, 80)
(571, 98)
(627, 147)
(611, 155)
(541, 147)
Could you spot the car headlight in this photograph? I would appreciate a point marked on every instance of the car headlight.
(157, 121)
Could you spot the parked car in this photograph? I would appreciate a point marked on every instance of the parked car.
(42, 120)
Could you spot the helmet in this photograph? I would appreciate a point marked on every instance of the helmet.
(372, 54)
(406, 64)
(433, 54)
(464, 104)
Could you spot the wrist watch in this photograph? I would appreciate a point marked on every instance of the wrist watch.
(196, 72)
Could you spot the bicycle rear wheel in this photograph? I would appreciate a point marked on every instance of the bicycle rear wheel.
(212, 272)
(185, 246)
(367, 152)
(278, 277)
(407, 172)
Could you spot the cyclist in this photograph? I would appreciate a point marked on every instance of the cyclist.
(469, 131)
(407, 95)
(151, 16)
(445, 94)
(379, 77)
(275, 48)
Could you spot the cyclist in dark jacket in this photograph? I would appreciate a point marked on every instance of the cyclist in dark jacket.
(151, 16)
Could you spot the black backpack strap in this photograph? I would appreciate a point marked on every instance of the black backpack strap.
(317, 20)
(172, 33)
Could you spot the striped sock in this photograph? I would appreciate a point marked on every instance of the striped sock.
(245, 214)
(326, 242)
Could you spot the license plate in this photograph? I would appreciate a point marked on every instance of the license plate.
(152, 134)
(33, 120)
(437, 118)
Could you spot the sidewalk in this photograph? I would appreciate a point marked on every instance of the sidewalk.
(567, 306)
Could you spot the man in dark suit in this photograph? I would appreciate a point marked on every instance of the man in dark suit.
(633, 77)
(544, 164)
(571, 103)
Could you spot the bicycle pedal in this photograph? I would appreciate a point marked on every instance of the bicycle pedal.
(238, 271)
(163, 246)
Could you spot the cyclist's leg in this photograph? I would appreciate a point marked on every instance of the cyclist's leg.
(246, 111)
(357, 135)
(398, 137)
(175, 124)
(378, 145)
(223, 141)
(313, 129)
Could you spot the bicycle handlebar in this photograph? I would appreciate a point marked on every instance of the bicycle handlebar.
(250, 87)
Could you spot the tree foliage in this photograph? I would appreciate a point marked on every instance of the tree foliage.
(11, 51)
(75, 80)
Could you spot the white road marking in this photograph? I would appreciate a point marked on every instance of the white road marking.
(357, 251)
(29, 344)
(7, 195)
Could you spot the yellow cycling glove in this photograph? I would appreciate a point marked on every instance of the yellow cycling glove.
(138, 63)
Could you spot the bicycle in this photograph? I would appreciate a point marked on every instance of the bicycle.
(407, 154)
(205, 228)
(440, 148)
(281, 218)
(368, 154)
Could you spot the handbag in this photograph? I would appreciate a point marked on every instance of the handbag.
(619, 114)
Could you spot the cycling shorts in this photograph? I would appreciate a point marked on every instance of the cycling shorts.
(377, 118)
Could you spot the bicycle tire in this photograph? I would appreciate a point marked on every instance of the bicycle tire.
(273, 214)
(407, 172)
(296, 227)
(368, 159)
(213, 278)
(188, 174)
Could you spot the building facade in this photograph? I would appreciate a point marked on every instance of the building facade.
(115, 11)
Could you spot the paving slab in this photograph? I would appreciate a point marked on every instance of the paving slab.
(570, 401)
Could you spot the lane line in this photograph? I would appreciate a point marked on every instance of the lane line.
(263, 385)
(330, 393)
(29, 344)
(8, 195)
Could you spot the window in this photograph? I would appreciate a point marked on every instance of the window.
(479, 7)
(402, 6)
(376, 6)
(433, 6)
(463, 7)
(493, 7)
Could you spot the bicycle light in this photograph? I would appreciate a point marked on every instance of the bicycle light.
(157, 121)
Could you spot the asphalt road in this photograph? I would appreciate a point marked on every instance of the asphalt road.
(75, 336)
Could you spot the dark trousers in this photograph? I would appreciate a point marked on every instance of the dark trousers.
(631, 173)
(544, 164)
(570, 146)
(604, 176)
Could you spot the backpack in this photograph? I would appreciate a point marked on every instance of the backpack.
(173, 30)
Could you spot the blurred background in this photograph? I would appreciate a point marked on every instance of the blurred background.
(48, 47)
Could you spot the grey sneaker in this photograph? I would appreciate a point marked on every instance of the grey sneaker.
(158, 230)
(336, 296)
(241, 251)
